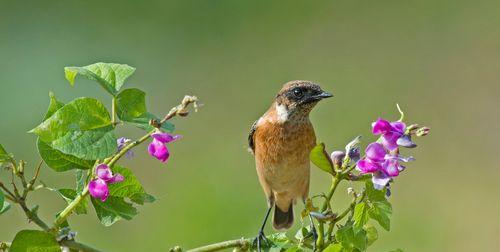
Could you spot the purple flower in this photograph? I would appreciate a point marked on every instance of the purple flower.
(122, 142)
(381, 164)
(390, 131)
(157, 147)
(98, 187)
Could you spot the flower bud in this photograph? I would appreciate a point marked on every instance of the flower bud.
(337, 158)
(411, 128)
(424, 131)
(354, 154)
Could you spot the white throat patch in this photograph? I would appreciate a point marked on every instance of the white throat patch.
(281, 112)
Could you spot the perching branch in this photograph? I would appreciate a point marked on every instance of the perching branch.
(243, 244)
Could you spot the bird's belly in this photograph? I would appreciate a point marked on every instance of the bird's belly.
(287, 177)
(282, 156)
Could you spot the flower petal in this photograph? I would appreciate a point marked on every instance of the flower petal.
(165, 137)
(380, 180)
(391, 167)
(116, 178)
(398, 127)
(375, 152)
(366, 166)
(99, 189)
(158, 150)
(405, 141)
(103, 172)
(381, 126)
(389, 140)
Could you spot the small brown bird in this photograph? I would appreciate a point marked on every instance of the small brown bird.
(281, 141)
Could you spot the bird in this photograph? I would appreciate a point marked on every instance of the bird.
(281, 141)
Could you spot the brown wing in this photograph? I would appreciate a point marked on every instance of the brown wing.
(251, 142)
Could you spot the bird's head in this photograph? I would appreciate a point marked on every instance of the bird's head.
(298, 98)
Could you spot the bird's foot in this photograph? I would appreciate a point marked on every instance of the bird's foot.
(261, 241)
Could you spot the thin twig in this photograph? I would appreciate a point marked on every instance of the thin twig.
(9, 193)
(242, 243)
(78, 246)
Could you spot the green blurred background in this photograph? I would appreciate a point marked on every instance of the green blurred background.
(438, 59)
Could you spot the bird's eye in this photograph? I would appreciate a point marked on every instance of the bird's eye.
(298, 93)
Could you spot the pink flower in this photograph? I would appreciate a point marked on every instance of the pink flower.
(157, 147)
(98, 187)
(391, 132)
(381, 164)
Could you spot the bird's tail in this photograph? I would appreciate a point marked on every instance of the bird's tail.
(283, 220)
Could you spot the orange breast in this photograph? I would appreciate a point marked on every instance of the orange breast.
(282, 153)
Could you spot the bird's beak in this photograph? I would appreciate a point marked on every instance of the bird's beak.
(323, 95)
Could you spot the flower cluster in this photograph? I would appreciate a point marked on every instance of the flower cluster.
(98, 187)
(382, 158)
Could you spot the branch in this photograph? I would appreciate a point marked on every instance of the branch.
(335, 182)
(242, 243)
(78, 246)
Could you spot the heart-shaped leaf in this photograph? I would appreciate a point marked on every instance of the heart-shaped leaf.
(81, 128)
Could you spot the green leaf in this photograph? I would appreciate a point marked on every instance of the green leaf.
(54, 105)
(80, 181)
(34, 241)
(130, 104)
(280, 241)
(294, 249)
(5, 207)
(130, 187)
(113, 210)
(59, 161)
(55, 159)
(4, 156)
(143, 123)
(373, 194)
(81, 128)
(349, 238)
(360, 215)
(110, 76)
(321, 159)
(336, 247)
(397, 250)
(371, 234)
(69, 195)
(131, 108)
(381, 212)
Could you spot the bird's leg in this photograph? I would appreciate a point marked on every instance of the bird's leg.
(313, 231)
(261, 237)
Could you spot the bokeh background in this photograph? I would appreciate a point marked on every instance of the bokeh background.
(438, 59)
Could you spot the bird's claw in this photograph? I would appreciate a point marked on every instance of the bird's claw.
(260, 240)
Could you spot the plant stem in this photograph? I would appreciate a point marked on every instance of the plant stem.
(321, 233)
(342, 215)
(78, 246)
(69, 208)
(123, 151)
(33, 216)
(113, 111)
(242, 243)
